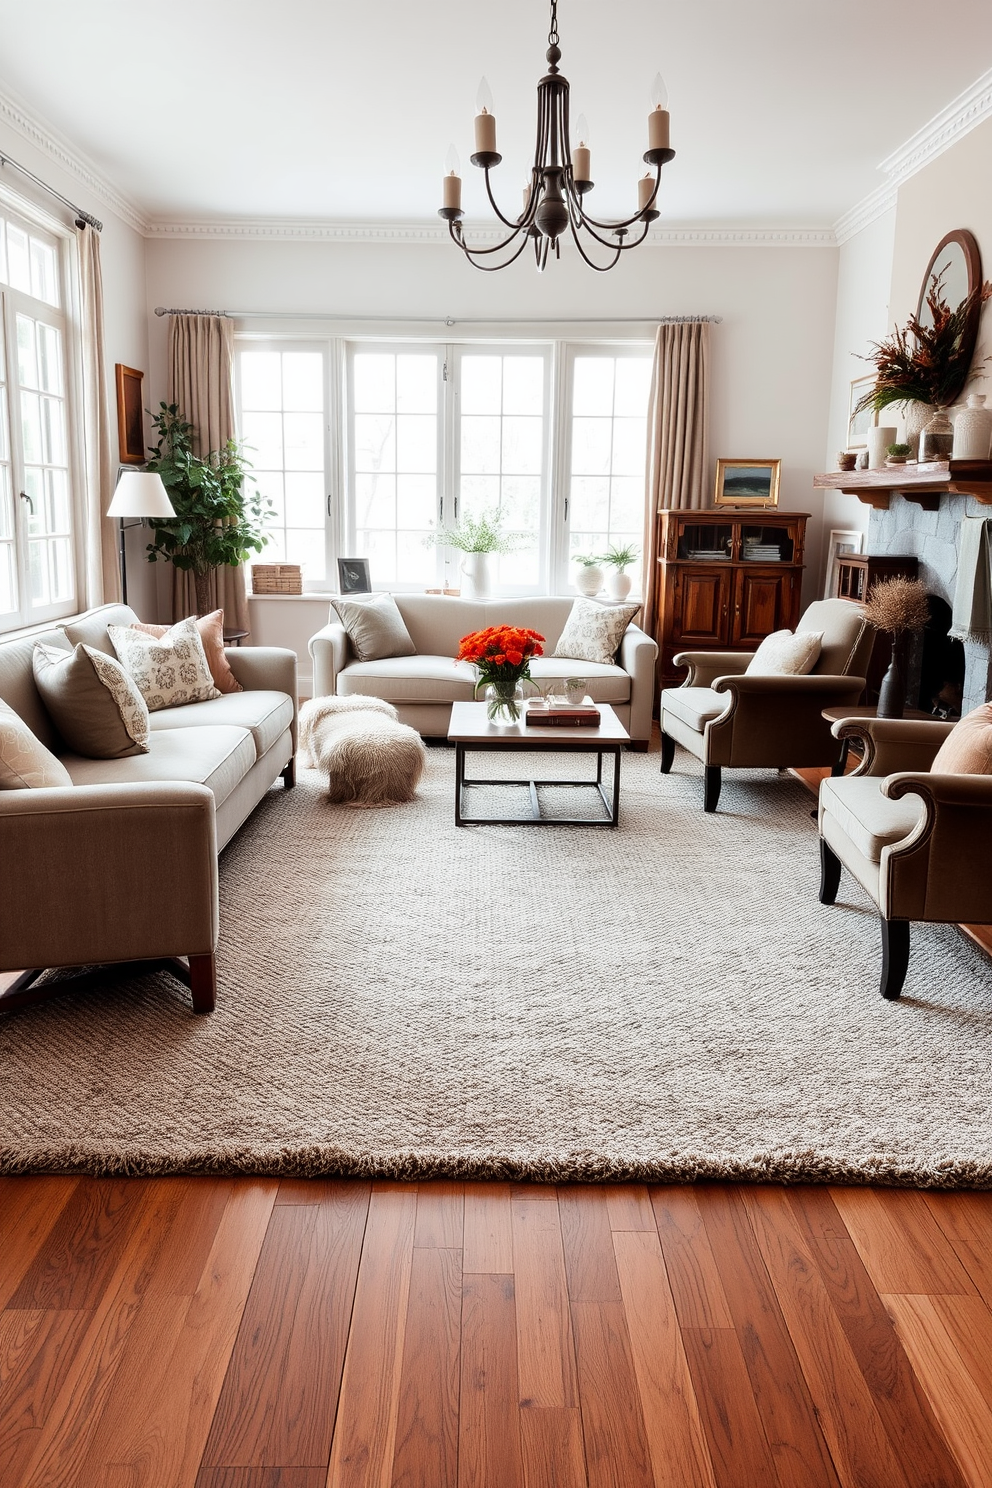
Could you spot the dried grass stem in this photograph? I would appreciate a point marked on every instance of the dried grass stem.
(896, 605)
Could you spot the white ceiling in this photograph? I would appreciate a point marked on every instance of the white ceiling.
(332, 112)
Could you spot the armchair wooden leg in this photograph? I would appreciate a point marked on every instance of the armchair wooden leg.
(667, 753)
(895, 956)
(289, 774)
(830, 866)
(203, 983)
(711, 786)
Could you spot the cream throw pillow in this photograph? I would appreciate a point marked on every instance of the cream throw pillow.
(211, 629)
(375, 627)
(593, 631)
(783, 654)
(93, 703)
(170, 670)
(967, 750)
(24, 760)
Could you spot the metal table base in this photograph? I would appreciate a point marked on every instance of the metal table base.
(610, 796)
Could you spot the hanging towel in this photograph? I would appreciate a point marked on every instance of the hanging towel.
(972, 616)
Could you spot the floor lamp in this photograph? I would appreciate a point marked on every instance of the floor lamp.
(140, 494)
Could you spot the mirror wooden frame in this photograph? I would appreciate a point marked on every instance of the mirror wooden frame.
(968, 244)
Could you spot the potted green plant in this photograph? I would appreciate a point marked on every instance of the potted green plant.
(477, 538)
(218, 521)
(589, 579)
(618, 580)
(897, 454)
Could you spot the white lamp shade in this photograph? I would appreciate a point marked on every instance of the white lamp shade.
(141, 493)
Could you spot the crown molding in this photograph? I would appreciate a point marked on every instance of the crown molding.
(428, 233)
(69, 159)
(868, 210)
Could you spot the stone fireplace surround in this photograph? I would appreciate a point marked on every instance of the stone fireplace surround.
(933, 538)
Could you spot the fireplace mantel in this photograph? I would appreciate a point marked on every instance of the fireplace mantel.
(924, 484)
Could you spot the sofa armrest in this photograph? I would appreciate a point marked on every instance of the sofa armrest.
(95, 873)
(893, 744)
(329, 651)
(819, 687)
(940, 873)
(638, 655)
(705, 666)
(267, 669)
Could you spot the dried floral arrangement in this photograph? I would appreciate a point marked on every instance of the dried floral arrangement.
(925, 363)
(897, 605)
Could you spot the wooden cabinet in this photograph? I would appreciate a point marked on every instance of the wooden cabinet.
(726, 580)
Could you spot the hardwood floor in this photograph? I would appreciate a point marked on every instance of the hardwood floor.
(234, 1333)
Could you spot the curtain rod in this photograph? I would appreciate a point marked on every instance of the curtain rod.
(451, 320)
(81, 216)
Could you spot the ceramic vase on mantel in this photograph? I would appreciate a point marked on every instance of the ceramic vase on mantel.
(973, 430)
(476, 576)
(917, 416)
(892, 693)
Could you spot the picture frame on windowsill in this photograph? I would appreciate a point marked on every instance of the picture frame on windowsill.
(353, 576)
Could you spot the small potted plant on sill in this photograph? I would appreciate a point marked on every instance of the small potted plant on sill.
(477, 538)
(897, 454)
(617, 559)
(589, 579)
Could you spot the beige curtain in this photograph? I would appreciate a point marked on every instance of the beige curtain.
(677, 430)
(101, 580)
(201, 382)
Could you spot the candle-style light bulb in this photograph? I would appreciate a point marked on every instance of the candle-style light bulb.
(658, 118)
(484, 98)
(452, 179)
(582, 130)
(485, 123)
(452, 165)
(659, 92)
(581, 167)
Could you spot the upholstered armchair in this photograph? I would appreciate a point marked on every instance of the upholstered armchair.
(728, 718)
(918, 843)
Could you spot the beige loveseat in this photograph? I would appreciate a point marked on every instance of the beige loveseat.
(423, 687)
(122, 864)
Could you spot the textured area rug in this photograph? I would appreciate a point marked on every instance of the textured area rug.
(401, 997)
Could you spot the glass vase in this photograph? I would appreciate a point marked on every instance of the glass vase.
(937, 439)
(504, 705)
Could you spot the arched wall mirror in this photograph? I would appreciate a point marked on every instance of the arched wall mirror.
(957, 263)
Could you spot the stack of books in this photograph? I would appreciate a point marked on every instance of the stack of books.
(556, 714)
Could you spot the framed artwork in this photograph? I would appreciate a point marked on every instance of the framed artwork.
(858, 424)
(747, 482)
(353, 576)
(130, 416)
(838, 544)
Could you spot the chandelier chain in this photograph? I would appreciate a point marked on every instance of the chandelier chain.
(553, 33)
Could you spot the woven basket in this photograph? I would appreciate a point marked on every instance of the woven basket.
(276, 578)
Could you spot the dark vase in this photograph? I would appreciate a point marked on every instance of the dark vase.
(892, 693)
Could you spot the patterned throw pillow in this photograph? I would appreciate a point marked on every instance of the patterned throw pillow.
(784, 654)
(24, 760)
(593, 631)
(211, 629)
(93, 703)
(170, 670)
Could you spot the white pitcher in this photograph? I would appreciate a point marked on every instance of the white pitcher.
(477, 573)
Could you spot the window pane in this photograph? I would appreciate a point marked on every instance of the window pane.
(18, 259)
(629, 446)
(627, 503)
(375, 442)
(609, 426)
(416, 560)
(592, 391)
(303, 435)
(591, 441)
(262, 434)
(522, 446)
(590, 507)
(481, 384)
(633, 387)
(375, 501)
(271, 485)
(261, 380)
(480, 445)
(416, 443)
(27, 353)
(416, 384)
(375, 382)
(417, 502)
(303, 381)
(50, 359)
(304, 547)
(304, 499)
(44, 272)
(523, 385)
(8, 585)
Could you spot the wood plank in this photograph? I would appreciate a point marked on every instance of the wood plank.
(488, 1242)
(300, 1190)
(674, 1431)
(629, 1208)
(590, 1264)
(36, 1351)
(426, 1449)
(440, 1216)
(788, 1415)
(696, 1285)
(962, 1216)
(489, 1416)
(30, 1208)
(84, 1246)
(545, 1352)
(899, 1398)
(902, 1245)
(931, 1330)
(860, 1447)
(280, 1394)
(179, 1269)
(738, 1450)
(362, 1449)
(258, 1477)
(612, 1420)
(551, 1448)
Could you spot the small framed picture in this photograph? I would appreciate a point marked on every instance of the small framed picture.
(747, 482)
(130, 416)
(858, 424)
(839, 544)
(353, 576)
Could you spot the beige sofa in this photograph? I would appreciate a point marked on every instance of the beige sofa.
(423, 687)
(122, 865)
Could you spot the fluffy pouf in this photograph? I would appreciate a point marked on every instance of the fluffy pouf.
(370, 758)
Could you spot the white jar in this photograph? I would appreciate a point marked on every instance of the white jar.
(879, 439)
(973, 430)
(589, 579)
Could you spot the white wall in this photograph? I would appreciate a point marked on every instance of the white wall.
(771, 355)
(122, 251)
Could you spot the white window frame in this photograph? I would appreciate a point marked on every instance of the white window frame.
(64, 317)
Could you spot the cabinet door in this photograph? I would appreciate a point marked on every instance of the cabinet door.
(702, 604)
(763, 602)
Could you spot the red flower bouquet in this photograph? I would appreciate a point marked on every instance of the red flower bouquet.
(501, 656)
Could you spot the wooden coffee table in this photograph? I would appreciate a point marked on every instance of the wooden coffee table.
(470, 729)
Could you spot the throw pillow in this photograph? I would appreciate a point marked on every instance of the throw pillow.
(593, 631)
(170, 671)
(24, 760)
(967, 750)
(211, 628)
(375, 627)
(93, 703)
(783, 654)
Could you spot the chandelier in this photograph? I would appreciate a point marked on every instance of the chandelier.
(559, 180)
